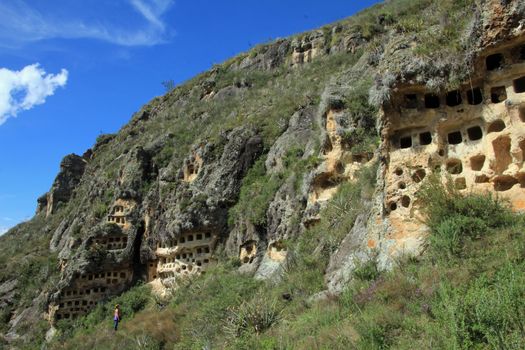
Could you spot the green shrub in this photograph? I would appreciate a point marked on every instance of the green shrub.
(450, 234)
(202, 306)
(169, 85)
(454, 217)
(368, 270)
(488, 311)
(146, 342)
(100, 210)
(257, 191)
(256, 316)
(163, 158)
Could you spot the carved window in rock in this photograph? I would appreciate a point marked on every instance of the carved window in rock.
(519, 85)
(118, 209)
(425, 138)
(418, 175)
(453, 98)
(518, 54)
(454, 138)
(405, 142)
(460, 183)
(474, 133)
(410, 101)
(504, 183)
(475, 96)
(454, 166)
(521, 53)
(496, 126)
(477, 162)
(392, 206)
(494, 61)
(498, 94)
(191, 169)
(405, 201)
(432, 101)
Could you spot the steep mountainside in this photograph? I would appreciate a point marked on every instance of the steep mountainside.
(301, 160)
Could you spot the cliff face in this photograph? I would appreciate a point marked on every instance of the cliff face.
(241, 161)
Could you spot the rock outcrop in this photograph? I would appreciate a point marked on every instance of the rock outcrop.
(289, 123)
(71, 170)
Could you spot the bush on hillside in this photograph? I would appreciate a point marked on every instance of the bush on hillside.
(454, 217)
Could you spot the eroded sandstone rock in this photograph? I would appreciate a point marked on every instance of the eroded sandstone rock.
(71, 170)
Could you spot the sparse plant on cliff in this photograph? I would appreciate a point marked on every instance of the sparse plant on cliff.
(169, 85)
(100, 210)
(256, 194)
(455, 218)
(256, 316)
(146, 342)
(368, 270)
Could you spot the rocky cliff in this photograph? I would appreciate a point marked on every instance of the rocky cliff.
(241, 161)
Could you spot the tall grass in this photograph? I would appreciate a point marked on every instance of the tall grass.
(466, 294)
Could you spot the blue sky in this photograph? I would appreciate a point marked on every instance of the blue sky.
(72, 69)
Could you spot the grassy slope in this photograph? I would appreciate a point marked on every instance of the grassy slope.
(466, 292)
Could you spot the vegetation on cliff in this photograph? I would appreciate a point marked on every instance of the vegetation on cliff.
(259, 125)
(466, 297)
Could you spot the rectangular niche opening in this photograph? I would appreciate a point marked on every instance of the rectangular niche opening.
(477, 162)
(405, 142)
(522, 113)
(519, 85)
(454, 98)
(474, 133)
(454, 138)
(494, 61)
(475, 96)
(425, 138)
(432, 101)
(521, 55)
(498, 94)
(411, 101)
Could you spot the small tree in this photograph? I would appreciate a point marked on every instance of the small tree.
(169, 85)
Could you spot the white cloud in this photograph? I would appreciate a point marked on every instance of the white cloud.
(24, 89)
(21, 23)
(152, 10)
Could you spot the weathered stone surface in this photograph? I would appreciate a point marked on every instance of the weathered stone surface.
(134, 200)
(473, 137)
(7, 293)
(299, 135)
(350, 253)
(269, 57)
(71, 170)
(307, 48)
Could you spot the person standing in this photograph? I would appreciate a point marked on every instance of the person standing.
(116, 317)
